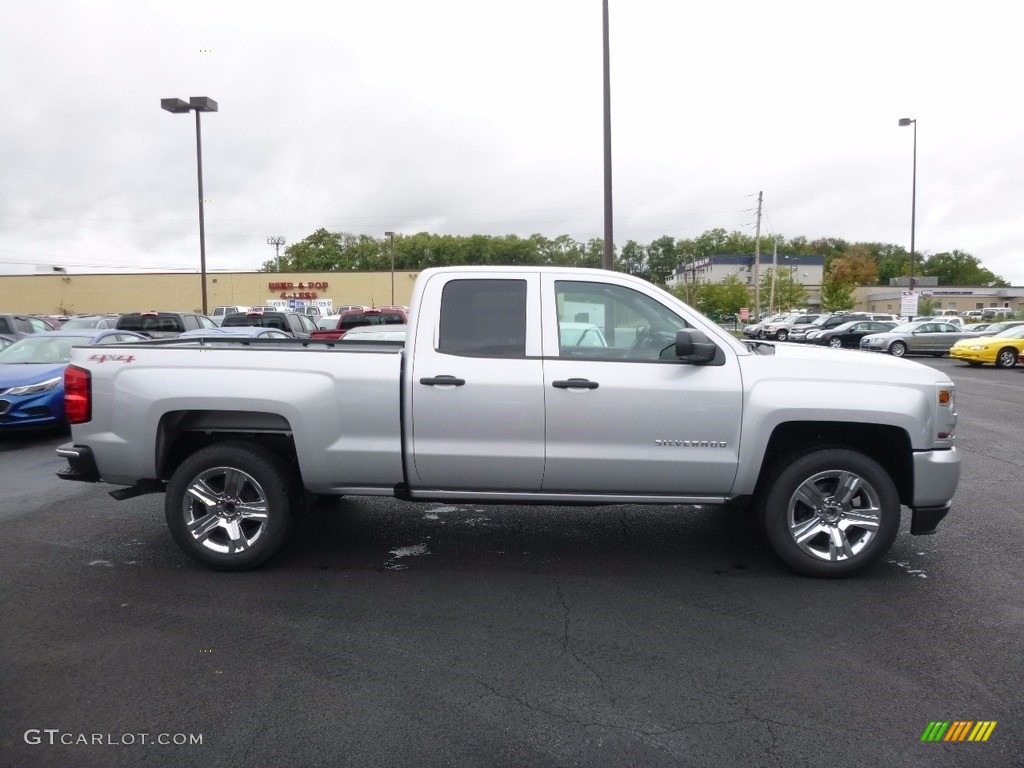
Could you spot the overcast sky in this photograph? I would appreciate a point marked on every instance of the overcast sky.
(485, 116)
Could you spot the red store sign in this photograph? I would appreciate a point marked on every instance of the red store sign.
(300, 291)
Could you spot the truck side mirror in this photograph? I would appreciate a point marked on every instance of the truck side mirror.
(693, 346)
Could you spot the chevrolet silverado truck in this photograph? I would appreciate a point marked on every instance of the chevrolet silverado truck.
(491, 398)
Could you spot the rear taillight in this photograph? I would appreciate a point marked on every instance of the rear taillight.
(77, 395)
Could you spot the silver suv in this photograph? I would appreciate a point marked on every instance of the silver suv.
(780, 330)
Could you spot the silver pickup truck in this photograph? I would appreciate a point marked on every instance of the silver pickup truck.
(493, 397)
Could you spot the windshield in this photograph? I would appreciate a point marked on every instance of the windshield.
(1014, 332)
(906, 327)
(996, 328)
(77, 323)
(42, 349)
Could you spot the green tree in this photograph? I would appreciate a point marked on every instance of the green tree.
(959, 268)
(788, 293)
(662, 258)
(319, 252)
(634, 260)
(858, 267)
(836, 295)
(720, 299)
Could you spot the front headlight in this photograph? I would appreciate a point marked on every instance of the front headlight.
(35, 389)
(978, 347)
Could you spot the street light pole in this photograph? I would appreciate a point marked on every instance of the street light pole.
(608, 257)
(392, 236)
(905, 121)
(199, 104)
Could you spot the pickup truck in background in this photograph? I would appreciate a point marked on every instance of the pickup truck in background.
(293, 323)
(354, 318)
(163, 325)
(493, 399)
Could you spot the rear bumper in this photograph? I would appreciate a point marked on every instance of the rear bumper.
(81, 464)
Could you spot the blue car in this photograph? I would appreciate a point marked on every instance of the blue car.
(32, 375)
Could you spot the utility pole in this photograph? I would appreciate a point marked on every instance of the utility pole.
(757, 260)
(608, 259)
(277, 242)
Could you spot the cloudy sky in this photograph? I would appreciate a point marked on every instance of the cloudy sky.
(485, 116)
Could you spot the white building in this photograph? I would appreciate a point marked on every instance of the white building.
(809, 271)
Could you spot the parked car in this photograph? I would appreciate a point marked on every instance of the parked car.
(954, 319)
(32, 374)
(299, 326)
(163, 325)
(244, 331)
(823, 323)
(919, 338)
(375, 333)
(6, 341)
(849, 334)
(19, 326)
(755, 330)
(580, 335)
(998, 327)
(219, 313)
(327, 322)
(997, 313)
(780, 330)
(977, 327)
(1000, 350)
(81, 322)
(353, 318)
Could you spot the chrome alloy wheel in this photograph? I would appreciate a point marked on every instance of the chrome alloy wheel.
(225, 510)
(834, 515)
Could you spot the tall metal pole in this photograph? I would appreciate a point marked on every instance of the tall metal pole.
(392, 236)
(277, 242)
(202, 217)
(913, 210)
(608, 261)
(905, 121)
(757, 260)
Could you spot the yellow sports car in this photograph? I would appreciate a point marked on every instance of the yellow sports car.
(1001, 349)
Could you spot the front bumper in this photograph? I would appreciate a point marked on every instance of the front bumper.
(936, 476)
(972, 356)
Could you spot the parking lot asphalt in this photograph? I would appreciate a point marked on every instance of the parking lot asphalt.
(400, 634)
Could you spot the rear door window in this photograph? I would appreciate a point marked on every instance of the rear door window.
(483, 318)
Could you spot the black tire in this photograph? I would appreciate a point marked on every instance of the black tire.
(762, 335)
(897, 349)
(1006, 358)
(781, 335)
(816, 532)
(835, 342)
(247, 516)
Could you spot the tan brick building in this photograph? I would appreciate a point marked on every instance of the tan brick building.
(98, 293)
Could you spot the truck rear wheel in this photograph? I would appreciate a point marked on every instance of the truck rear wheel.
(228, 506)
(830, 512)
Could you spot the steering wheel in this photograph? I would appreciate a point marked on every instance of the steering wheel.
(642, 339)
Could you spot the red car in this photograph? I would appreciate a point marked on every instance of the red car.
(353, 318)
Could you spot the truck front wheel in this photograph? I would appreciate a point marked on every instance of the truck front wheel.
(831, 512)
(228, 506)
